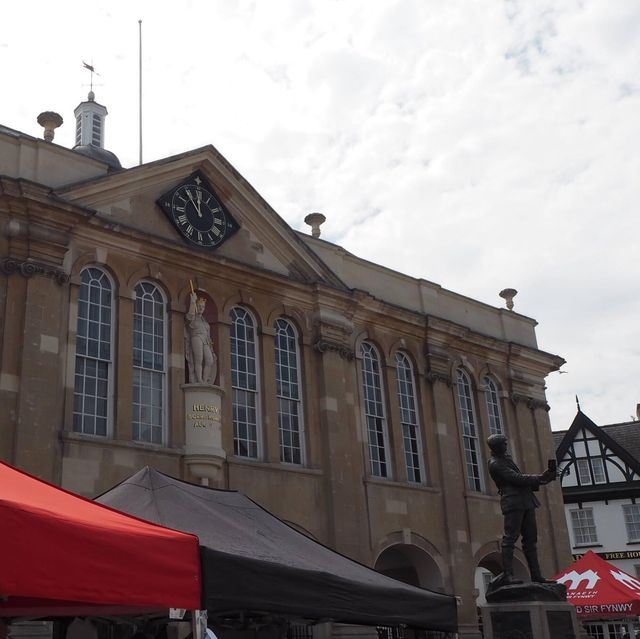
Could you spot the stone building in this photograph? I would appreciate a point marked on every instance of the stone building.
(355, 400)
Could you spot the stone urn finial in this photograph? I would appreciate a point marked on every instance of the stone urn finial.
(315, 220)
(508, 294)
(50, 120)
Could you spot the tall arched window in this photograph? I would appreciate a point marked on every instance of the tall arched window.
(149, 364)
(290, 424)
(469, 431)
(374, 411)
(409, 418)
(496, 427)
(92, 397)
(244, 379)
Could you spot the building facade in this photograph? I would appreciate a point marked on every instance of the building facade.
(600, 478)
(356, 401)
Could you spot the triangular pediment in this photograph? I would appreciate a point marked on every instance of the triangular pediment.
(129, 198)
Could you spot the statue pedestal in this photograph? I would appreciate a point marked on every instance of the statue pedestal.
(204, 454)
(529, 611)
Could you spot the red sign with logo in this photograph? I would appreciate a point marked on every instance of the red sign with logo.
(599, 589)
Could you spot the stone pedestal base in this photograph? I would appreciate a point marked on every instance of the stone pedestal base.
(204, 454)
(530, 620)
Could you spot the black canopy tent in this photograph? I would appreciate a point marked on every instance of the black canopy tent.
(254, 562)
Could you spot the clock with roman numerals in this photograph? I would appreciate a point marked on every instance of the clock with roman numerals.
(197, 213)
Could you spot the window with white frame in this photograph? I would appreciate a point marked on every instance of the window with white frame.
(632, 521)
(584, 473)
(244, 380)
(288, 391)
(594, 630)
(149, 364)
(94, 365)
(597, 466)
(496, 426)
(469, 431)
(590, 471)
(584, 527)
(374, 411)
(409, 418)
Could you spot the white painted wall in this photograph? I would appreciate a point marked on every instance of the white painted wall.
(611, 530)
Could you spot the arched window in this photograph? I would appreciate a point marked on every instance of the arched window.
(496, 427)
(244, 379)
(469, 431)
(374, 411)
(290, 424)
(92, 397)
(409, 418)
(149, 364)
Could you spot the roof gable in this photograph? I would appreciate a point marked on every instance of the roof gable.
(595, 454)
(129, 199)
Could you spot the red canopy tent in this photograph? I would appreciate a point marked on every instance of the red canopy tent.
(61, 554)
(600, 590)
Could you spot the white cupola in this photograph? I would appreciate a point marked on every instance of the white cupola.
(90, 117)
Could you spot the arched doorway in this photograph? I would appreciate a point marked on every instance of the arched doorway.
(410, 564)
(490, 566)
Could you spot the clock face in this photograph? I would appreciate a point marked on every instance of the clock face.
(197, 213)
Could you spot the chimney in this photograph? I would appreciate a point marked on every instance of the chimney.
(50, 120)
(638, 412)
(315, 220)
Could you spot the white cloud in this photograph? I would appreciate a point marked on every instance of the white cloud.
(495, 143)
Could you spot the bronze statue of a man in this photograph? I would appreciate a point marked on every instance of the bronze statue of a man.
(518, 504)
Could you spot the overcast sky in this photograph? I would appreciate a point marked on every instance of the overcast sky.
(477, 144)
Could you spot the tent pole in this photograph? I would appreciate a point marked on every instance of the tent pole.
(198, 624)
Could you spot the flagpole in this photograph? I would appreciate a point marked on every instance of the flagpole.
(140, 86)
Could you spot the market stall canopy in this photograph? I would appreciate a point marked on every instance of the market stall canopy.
(254, 562)
(599, 589)
(62, 554)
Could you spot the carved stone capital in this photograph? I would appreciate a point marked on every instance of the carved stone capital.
(323, 345)
(531, 402)
(28, 268)
(433, 377)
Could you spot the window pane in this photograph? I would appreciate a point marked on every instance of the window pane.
(632, 521)
(584, 473)
(93, 355)
(408, 418)
(245, 384)
(288, 389)
(149, 373)
(374, 410)
(470, 437)
(584, 529)
(493, 407)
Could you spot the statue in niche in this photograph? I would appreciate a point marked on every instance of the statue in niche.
(198, 347)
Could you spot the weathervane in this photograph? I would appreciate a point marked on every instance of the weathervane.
(91, 68)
